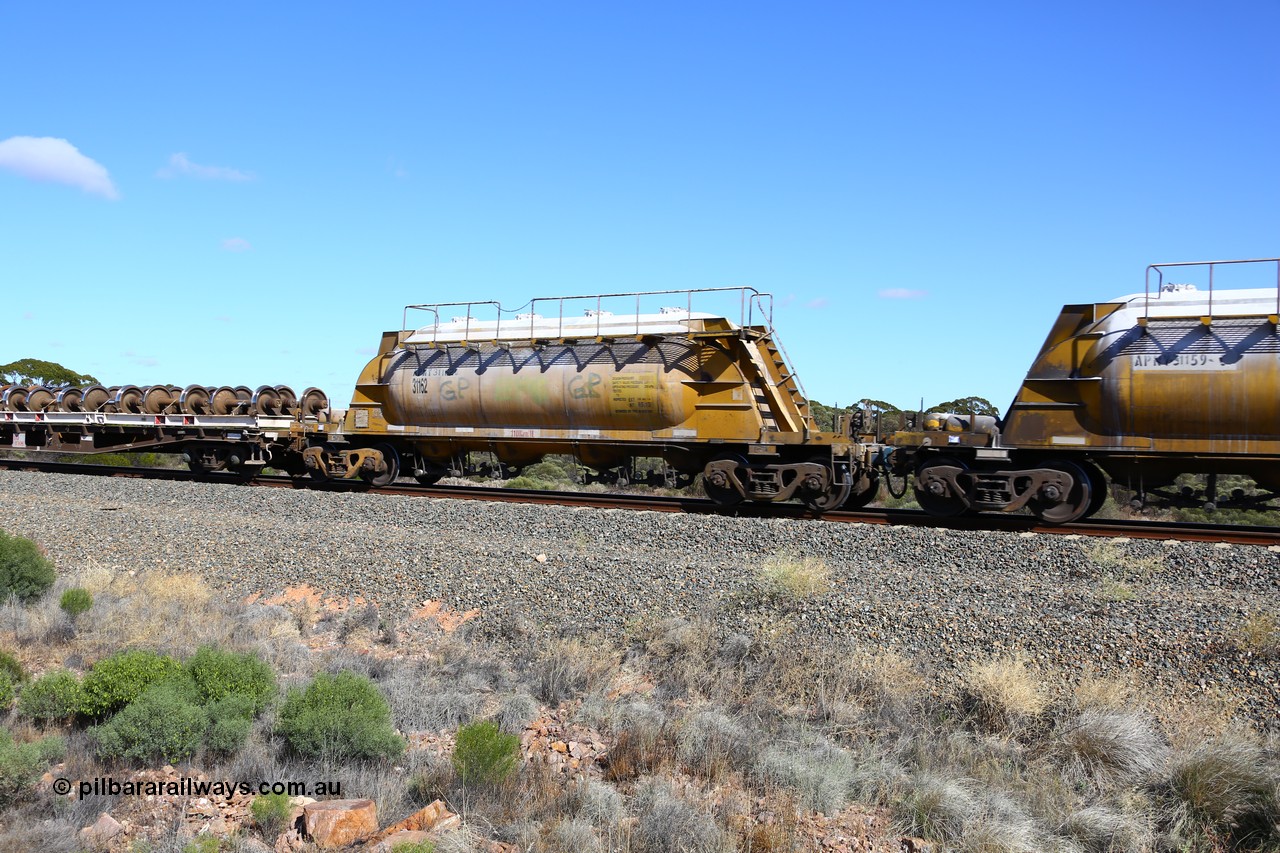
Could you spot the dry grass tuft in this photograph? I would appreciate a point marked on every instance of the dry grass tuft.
(885, 682)
(935, 808)
(1260, 635)
(795, 577)
(1106, 694)
(1003, 693)
(568, 669)
(820, 773)
(1115, 559)
(1227, 787)
(668, 822)
(638, 746)
(154, 609)
(1112, 589)
(1099, 829)
(1190, 724)
(710, 743)
(1110, 746)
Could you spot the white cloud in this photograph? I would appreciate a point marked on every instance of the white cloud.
(140, 360)
(902, 293)
(179, 165)
(236, 244)
(820, 302)
(46, 158)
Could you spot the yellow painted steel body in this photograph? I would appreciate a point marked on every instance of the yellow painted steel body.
(543, 388)
(1162, 387)
(684, 393)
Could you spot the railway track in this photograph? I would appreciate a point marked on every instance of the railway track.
(1181, 531)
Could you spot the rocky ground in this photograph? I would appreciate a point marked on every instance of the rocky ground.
(1174, 617)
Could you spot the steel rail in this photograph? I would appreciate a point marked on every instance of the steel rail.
(1111, 528)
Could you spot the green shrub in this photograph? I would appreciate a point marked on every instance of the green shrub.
(53, 696)
(11, 675)
(271, 813)
(116, 681)
(339, 716)
(218, 674)
(484, 755)
(75, 601)
(9, 665)
(548, 472)
(21, 764)
(24, 571)
(414, 847)
(230, 721)
(161, 723)
(203, 844)
(531, 483)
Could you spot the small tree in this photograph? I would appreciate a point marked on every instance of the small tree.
(53, 696)
(339, 717)
(484, 755)
(161, 723)
(271, 813)
(116, 681)
(219, 674)
(75, 601)
(34, 371)
(967, 405)
(22, 763)
(24, 571)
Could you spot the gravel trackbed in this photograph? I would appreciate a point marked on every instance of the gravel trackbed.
(939, 597)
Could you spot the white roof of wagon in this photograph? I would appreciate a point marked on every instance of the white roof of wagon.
(1187, 301)
(670, 321)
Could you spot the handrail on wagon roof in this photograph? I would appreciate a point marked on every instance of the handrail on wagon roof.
(751, 302)
(1160, 268)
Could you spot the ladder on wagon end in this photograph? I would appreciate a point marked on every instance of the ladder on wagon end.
(778, 389)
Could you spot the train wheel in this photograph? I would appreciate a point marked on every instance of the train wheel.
(1058, 508)
(1098, 485)
(863, 492)
(389, 474)
(934, 493)
(832, 497)
(715, 481)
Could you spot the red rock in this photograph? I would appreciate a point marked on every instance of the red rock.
(560, 746)
(103, 830)
(296, 807)
(337, 823)
(289, 841)
(389, 843)
(434, 819)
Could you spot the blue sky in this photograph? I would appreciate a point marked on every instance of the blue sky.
(259, 188)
